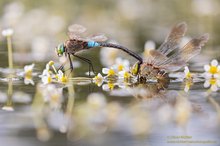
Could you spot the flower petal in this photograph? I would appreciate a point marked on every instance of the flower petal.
(208, 75)
(206, 67)
(216, 76)
(206, 84)
(105, 70)
(214, 62)
(214, 88)
(105, 87)
(186, 89)
(186, 70)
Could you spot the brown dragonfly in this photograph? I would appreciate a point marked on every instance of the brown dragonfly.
(169, 56)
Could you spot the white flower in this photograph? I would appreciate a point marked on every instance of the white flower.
(28, 69)
(213, 82)
(212, 70)
(46, 78)
(62, 77)
(149, 45)
(28, 73)
(121, 64)
(109, 72)
(7, 32)
(188, 84)
(187, 73)
(108, 86)
(45, 71)
(52, 95)
(98, 80)
(125, 74)
(28, 80)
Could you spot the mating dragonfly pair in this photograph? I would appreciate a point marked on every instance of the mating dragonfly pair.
(167, 58)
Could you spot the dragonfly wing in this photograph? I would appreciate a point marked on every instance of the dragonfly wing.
(73, 35)
(156, 57)
(173, 66)
(173, 39)
(76, 29)
(191, 49)
(98, 37)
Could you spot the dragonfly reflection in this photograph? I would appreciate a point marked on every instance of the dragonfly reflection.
(169, 56)
(77, 42)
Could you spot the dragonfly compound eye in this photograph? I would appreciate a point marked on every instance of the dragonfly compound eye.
(59, 50)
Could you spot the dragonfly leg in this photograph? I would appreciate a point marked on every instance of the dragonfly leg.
(87, 61)
(61, 67)
(71, 64)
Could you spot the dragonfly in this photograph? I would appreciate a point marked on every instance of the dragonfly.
(78, 42)
(169, 57)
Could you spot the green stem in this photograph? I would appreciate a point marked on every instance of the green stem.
(10, 57)
(10, 91)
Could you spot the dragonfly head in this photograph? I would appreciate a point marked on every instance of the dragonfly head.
(60, 50)
(135, 68)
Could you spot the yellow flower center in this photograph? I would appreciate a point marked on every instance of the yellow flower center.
(98, 79)
(120, 67)
(51, 63)
(49, 79)
(111, 86)
(111, 72)
(188, 75)
(56, 76)
(63, 79)
(212, 81)
(213, 69)
(28, 73)
(127, 75)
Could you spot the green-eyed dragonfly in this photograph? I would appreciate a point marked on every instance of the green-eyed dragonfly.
(169, 56)
(77, 43)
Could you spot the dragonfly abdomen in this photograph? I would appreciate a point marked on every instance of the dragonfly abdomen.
(92, 44)
(123, 49)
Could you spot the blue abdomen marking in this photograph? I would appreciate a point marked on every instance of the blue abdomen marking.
(93, 44)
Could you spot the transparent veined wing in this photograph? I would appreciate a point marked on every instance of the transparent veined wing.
(100, 37)
(75, 30)
(174, 66)
(193, 47)
(173, 39)
(184, 54)
(155, 57)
